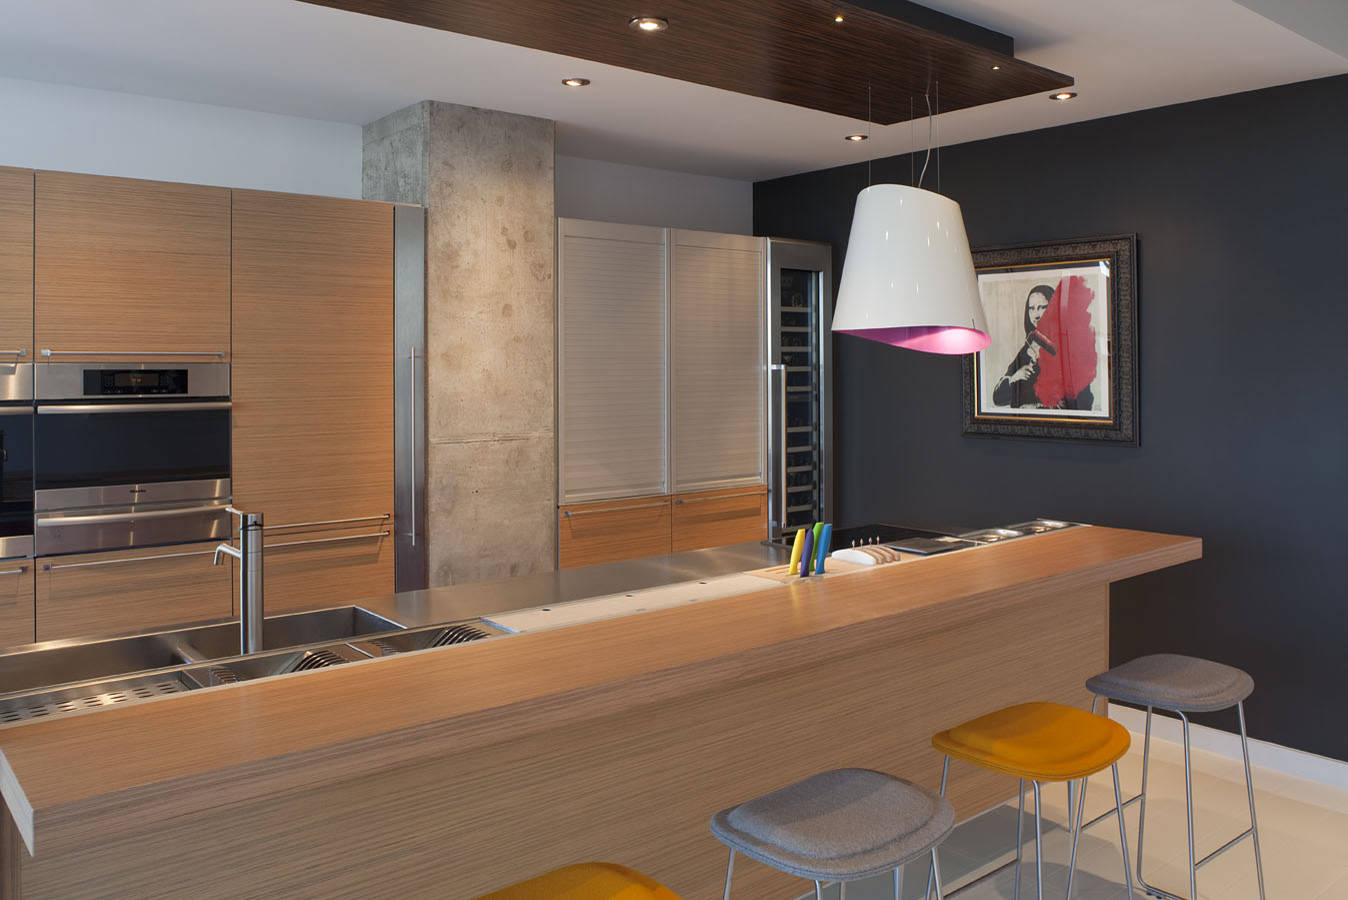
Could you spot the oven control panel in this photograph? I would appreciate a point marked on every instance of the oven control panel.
(120, 382)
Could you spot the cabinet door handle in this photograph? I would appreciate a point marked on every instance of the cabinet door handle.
(721, 497)
(586, 512)
(19, 571)
(49, 353)
(13, 352)
(329, 540)
(291, 526)
(412, 447)
(53, 567)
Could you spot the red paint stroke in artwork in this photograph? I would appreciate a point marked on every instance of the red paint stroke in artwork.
(1066, 328)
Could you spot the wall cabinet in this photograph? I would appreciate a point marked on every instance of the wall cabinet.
(594, 533)
(16, 266)
(313, 392)
(16, 602)
(131, 267)
(98, 594)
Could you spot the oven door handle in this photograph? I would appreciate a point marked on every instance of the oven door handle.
(57, 521)
(81, 408)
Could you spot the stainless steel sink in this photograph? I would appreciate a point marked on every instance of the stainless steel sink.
(290, 630)
(64, 662)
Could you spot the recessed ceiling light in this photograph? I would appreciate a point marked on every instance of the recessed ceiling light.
(856, 137)
(1062, 95)
(575, 82)
(648, 23)
(996, 68)
(838, 19)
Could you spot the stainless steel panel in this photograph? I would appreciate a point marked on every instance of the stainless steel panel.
(17, 546)
(813, 257)
(133, 495)
(112, 528)
(16, 383)
(409, 397)
(65, 381)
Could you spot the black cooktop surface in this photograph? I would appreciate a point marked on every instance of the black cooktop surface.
(859, 535)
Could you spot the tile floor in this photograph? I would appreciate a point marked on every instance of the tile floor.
(1303, 831)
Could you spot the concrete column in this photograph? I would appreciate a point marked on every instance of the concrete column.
(486, 179)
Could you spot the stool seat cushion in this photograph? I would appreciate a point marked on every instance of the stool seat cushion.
(586, 881)
(838, 825)
(1037, 741)
(1171, 681)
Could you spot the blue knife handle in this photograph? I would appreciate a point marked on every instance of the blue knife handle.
(821, 552)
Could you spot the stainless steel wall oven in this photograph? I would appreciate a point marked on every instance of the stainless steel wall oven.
(130, 454)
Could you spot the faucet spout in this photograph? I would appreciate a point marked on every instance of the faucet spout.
(249, 555)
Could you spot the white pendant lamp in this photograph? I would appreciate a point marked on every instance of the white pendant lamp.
(908, 279)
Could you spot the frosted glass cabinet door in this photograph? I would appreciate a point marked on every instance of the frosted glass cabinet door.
(611, 360)
(716, 345)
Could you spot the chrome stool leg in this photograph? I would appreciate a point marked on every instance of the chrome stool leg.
(729, 871)
(1020, 840)
(1076, 837)
(934, 876)
(1249, 789)
(898, 883)
(818, 891)
(1189, 808)
(1123, 831)
(1038, 845)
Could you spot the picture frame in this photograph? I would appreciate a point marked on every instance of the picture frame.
(1063, 360)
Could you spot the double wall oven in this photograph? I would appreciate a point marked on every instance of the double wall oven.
(129, 454)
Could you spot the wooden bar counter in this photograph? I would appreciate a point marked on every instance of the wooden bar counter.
(451, 772)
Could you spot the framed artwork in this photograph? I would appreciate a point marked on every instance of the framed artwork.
(1062, 364)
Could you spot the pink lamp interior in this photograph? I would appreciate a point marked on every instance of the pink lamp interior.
(948, 339)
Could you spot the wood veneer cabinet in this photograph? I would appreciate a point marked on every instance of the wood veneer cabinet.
(313, 392)
(99, 594)
(131, 267)
(718, 518)
(593, 533)
(16, 265)
(16, 602)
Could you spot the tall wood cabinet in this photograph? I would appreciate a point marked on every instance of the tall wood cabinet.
(313, 392)
(16, 266)
(131, 267)
(661, 381)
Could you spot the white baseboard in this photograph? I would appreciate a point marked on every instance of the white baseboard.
(1264, 755)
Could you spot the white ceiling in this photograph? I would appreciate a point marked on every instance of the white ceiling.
(298, 59)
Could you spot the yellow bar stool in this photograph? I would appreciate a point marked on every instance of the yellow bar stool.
(586, 881)
(1041, 743)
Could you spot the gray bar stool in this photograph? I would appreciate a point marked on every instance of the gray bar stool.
(1182, 684)
(839, 825)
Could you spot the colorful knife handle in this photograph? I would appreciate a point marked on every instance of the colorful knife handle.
(818, 529)
(796, 549)
(821, 549)
(807, 554)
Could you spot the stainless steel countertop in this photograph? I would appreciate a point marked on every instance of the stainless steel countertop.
(484, 598)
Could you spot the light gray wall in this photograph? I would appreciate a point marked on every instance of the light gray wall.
(74, 129)
(486, 179)
(635, 195)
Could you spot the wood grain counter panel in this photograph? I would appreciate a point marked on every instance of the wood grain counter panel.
(594, 533)
(250, 744)
(719, 518)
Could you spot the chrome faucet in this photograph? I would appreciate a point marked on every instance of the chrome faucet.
(249, 555)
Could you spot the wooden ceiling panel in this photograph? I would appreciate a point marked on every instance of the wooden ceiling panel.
(787, 50)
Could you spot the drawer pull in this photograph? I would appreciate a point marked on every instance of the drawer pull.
(218, 354)
(19, 571)
(585, 512)
(52, 567)
(293, 525)
(328, 540)
(13, 352)
(722, 497)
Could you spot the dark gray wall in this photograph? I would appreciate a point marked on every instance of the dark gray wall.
(1240, 205)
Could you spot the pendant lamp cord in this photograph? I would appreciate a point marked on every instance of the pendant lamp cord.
(928, 158)
(871, 157)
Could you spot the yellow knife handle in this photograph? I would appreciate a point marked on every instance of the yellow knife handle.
(796, 549)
